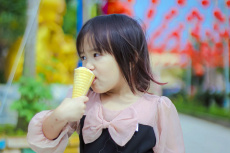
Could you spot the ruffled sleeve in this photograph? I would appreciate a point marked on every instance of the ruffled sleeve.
(39, 143)
(168, 129)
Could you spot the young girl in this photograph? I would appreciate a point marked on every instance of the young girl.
(118, 115)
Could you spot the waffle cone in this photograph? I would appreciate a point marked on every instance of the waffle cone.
(83, 79)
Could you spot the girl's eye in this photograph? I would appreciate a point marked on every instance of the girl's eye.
(83, 58)
(96, 54)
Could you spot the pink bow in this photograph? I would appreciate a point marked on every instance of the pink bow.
(121, 128)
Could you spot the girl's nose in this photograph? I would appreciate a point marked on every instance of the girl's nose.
(90, 66)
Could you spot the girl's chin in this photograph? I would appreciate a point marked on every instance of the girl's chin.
(96, 90)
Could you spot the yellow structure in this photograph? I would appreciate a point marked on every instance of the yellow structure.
(11, 56)
(56, 55)
(73, 144)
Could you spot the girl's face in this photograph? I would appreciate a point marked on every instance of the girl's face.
(108, 76)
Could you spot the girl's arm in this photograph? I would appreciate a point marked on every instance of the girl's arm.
(70, 110)
(46, 134)
(168, 131)
(53, 125)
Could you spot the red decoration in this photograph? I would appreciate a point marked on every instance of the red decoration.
(174, 35)
(150, 13)
(228, 3)
(189, 18)
(216, 27)
(217, 13)
(219, 45)
(189, 50)
(217, 55)
(197, 14)
(112, 7)
(208, 53)
(181, 2)
(174, 11)
(225, 34)
(205, 3)
(154, 1)
(205, 50)
(194, 14)
(209, 36)
(196, 32)
(198, 69)
(171, 14)
(207, 33)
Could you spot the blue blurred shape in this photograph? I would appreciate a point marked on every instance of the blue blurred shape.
(79, 64)
(170, 91)
(2, 144)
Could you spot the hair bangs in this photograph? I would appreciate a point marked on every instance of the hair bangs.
(99, 38)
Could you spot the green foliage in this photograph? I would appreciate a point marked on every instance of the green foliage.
(12, 21)
(70, 22)
(34, 98)
(197, 105)
(9, 130)
(208, 97)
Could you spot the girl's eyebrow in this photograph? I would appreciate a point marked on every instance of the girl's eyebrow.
(94, 49)
(90, 50)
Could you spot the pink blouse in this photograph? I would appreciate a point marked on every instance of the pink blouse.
(157, 112)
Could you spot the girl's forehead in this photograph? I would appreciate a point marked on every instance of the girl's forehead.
(88, 42)
(85, 43)
(89, 46)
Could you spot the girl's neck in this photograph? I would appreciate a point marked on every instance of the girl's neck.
(121, 91)
(121, 99)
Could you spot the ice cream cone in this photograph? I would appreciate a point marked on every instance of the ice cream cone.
(83, 79)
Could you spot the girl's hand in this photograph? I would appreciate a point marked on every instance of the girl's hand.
(71, 109)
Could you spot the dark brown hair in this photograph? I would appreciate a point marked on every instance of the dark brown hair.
(122, 37)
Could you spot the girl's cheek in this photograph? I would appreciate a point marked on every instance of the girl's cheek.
(98, 58)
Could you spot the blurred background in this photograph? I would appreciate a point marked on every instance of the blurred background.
(188, 43)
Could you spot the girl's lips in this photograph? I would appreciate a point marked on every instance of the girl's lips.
(94, 80)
